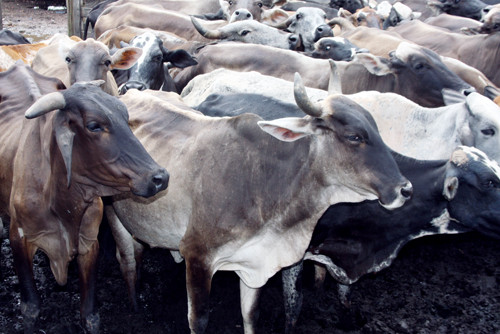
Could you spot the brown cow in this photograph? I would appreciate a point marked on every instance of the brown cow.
(87, 60)
(481, 51)
(53, 171)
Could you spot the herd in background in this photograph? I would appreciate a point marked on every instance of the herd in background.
(403, 115)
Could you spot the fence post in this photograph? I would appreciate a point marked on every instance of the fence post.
(1, 16)
(74, 17)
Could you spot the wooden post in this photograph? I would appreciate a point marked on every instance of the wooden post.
(1, 17)
(74, 8)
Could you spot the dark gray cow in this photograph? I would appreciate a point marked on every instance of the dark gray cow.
(150, 70)
(455, 195)
(335, 155)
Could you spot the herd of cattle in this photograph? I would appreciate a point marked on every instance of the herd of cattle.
(249, 136)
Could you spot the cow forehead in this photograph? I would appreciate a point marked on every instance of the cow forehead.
(148, 42)
(90, 99)
(90, 48)
(348, 111)
(406, 50)
(466, 156)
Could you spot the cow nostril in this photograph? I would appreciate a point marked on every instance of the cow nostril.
(248, 15)
(293, 39)
(407, 191)
(320, 29)
(237, 13)
(160, 180)
(468, 91)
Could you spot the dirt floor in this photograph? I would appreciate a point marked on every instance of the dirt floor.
(442, 285)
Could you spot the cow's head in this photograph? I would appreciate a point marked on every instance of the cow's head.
(480, 125)
(336, 48)
(150, 72)
(346, 133)
(235, 10)
(98, 148)
(420, 73)
(90, 60)
(251, 32)
(350, 5)
(471, 177)
(309, 23)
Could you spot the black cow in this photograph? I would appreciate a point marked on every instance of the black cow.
(450, 196)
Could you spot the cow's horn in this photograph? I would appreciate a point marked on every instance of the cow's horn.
(211, 34)
(45, 104)
(303, 101)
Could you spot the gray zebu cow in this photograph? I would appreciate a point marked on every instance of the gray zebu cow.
(251, 206)
(150, 71)
(473, 122)
(87, 60)
(414, 72)
(53, 172)
(250, 31)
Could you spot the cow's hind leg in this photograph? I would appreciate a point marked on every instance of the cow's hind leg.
(23, 253)
(198, 282)
(249, 300)
(292, 294)
(87, 265)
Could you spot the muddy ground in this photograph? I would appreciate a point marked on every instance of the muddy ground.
(442, 285)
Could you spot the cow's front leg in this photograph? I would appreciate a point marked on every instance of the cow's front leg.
(249, 301)
(291, 278)
(198, 282)
(128, 253)
(23, 253)
(87, 265)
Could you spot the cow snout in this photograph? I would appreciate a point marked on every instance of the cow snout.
(402, 193)
(241, 15)
(152, 184)
(132, 85)
(295, 42)
(321, 31)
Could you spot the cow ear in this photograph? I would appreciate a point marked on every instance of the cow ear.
(375, 65)
(179, 58)
(450, 187)
(274, 15)
(64, 139)
(451, 96)
(287, 129)
(125, 58)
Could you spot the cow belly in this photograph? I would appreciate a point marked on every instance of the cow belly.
(260, 257)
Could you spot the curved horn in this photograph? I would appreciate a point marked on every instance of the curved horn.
(302, 100)
(211, 34)
(46, 103)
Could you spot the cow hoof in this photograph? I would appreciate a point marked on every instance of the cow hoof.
(91, 324)
(30, 314)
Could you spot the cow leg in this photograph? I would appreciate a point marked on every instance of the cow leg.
(198, 282)
(343, 291)
(292, 294)
(319, 276)
(128, 253)
(23, 253)
(249, 300)
(87, 265)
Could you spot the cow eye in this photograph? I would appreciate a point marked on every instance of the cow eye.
(328, 47)
(94, 126)
(354, 138)
(230, 3)
(419, 66)
(259, 4)
(158, 58)
(299, 16)
(488, 132)
(107, 62)
(68, 60)
(245, 32)
(490, 184)
(495, 26)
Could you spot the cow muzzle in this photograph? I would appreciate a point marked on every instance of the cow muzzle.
(402, 194)
(151, 184)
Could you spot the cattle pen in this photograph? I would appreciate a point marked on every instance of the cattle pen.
(77, 13)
